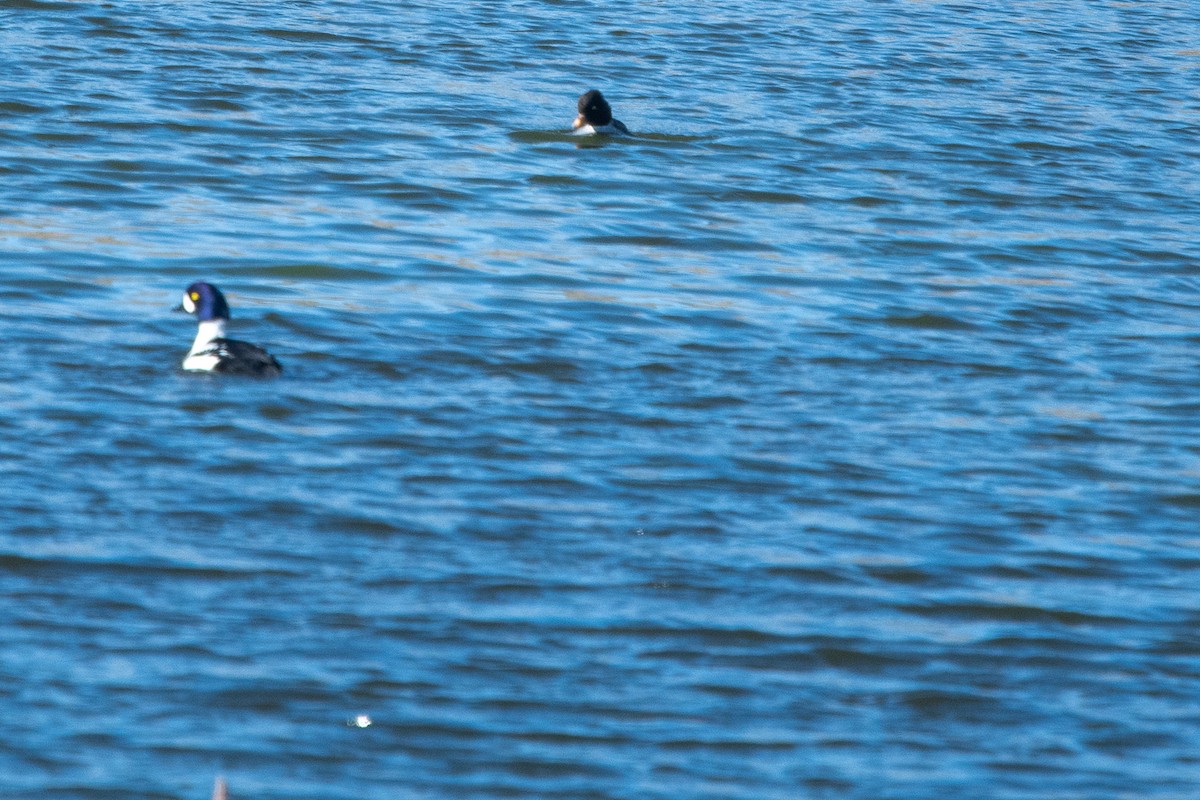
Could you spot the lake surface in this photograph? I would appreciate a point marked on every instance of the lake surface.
(835, 437)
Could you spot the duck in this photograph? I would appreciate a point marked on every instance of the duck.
(211, 351)
(595, 116)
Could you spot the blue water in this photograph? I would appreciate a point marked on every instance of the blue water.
(835, 437)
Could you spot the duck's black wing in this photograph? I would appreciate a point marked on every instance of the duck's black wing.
(242, 358)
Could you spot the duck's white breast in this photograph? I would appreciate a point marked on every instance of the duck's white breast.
(201, 361)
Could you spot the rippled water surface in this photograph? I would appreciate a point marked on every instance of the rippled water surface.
(835, 437)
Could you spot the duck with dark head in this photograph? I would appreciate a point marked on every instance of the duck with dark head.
(595, 116)
(212, 351)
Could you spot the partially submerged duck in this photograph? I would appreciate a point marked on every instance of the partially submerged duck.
(595, 116)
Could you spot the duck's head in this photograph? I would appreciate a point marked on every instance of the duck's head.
(594, 110)
(205, 302)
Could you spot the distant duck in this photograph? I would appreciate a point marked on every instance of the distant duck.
(595, 116)
(212, 352)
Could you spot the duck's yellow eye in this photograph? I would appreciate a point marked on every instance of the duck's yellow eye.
(194, 295)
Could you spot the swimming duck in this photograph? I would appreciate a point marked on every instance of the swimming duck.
(595, 116)
(211, 351)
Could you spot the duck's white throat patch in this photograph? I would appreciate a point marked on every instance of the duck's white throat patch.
(206, 332)
(202, 356)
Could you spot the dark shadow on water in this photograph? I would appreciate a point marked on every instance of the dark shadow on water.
(601, 140)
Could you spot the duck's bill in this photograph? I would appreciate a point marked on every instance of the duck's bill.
(578, 123)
